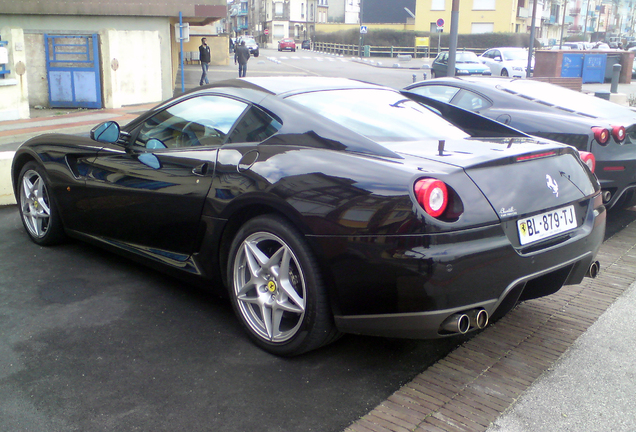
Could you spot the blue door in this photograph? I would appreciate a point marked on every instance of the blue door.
(72, 66)
(594, 68)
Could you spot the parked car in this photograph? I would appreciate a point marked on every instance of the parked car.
(306, 44)
(286, 44)
(325, 205)
(505, 62)
(575, 45)
(466, 63)
(606, 129)
(251, 45)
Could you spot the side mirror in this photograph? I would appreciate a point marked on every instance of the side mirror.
(498, 58)
(107, 132)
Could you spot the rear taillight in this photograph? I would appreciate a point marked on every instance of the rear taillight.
(588, 159)
(601, 135)
(432, 195)
(618, 132)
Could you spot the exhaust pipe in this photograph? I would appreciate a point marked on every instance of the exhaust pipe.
(592, 272)
(607, 196)
(478, 318)
(457, 323)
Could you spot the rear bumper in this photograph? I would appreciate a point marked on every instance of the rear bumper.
(426, 325)
(406, 286)
(616, 171)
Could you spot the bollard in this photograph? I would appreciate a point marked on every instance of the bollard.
(425, 78)
(414, 77)
(616, 71)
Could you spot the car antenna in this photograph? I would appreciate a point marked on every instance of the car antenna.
(440, 147)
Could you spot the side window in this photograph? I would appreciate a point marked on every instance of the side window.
(470, 101)
(437, 92)
(199, 121)
(255, 126)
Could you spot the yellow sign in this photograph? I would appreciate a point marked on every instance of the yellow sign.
(422, 41)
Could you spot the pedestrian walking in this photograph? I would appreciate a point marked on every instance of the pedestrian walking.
(204, 58)
(241, 56)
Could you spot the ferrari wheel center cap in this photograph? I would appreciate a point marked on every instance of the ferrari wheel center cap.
(271, 286)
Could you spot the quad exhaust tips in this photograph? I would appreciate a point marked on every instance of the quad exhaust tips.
(462, 322)
(478, 318)
(592, 272)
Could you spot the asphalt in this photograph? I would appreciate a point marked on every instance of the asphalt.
(590, 385)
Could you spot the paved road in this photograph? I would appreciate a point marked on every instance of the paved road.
(92, 342)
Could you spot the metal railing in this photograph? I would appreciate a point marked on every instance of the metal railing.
(384, 51)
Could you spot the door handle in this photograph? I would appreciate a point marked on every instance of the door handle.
(200, 170)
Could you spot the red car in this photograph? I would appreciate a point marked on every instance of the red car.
(286, 44)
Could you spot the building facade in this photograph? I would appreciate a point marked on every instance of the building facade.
(129, 46)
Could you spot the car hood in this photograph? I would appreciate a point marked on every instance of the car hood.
(517, 176)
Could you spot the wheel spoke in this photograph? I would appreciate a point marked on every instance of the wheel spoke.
(267, 313)
(287, 286)
(27, 188)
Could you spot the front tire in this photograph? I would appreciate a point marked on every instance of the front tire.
(276, 288)
(504, 73)
(37, 209)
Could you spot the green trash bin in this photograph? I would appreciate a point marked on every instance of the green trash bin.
(367, 51)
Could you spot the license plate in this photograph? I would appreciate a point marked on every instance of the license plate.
(546, 225)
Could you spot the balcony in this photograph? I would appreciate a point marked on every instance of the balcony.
(523, 12)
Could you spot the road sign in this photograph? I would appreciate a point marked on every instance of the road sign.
(184, 30)
(440, 22)
(266, 31)
(363, 29)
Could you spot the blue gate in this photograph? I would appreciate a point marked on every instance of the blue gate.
(72, 66)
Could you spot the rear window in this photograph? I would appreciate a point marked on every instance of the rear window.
(381, 115)
(564, 98)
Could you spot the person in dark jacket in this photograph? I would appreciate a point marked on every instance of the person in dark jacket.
(242, 55)
(204, 58)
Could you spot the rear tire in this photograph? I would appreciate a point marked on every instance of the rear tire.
(276, 288)
(37, 209)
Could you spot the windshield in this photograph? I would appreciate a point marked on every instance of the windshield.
(565, 98)
(466, 57)
(381, 115)
(515, 55)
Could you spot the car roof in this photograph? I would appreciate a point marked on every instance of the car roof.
(291, 85)
(489, 84)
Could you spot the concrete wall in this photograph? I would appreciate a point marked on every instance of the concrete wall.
(14, 91)
(130, 76)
